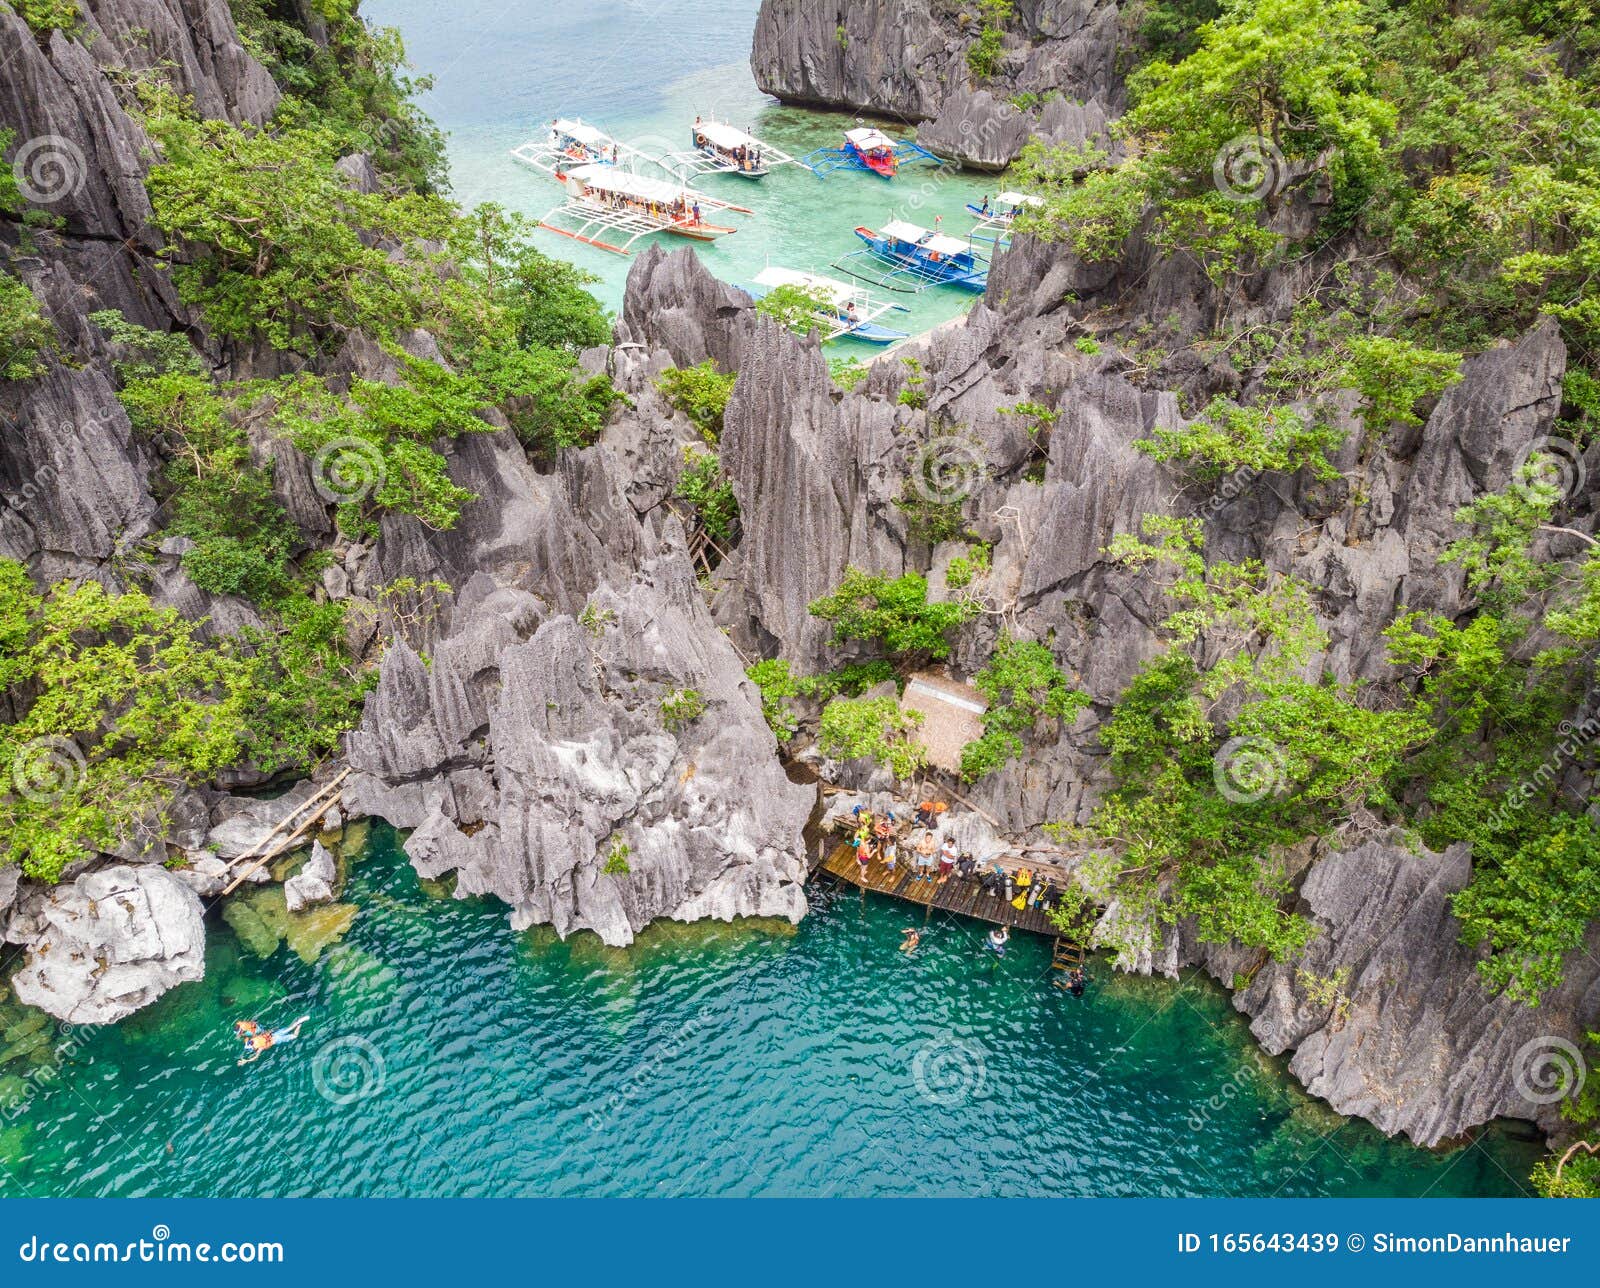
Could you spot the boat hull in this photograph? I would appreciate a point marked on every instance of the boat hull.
(867, 332)
(699, 232)
(960, 270)
(872, 333)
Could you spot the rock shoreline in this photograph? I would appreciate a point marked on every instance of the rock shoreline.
(530, 735)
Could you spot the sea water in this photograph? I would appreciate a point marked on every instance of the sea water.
(642, 70)
(445, 1054)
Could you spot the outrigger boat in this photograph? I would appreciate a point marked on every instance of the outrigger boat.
(724, 149)
(994, 221)
(866, 148)
(571, 143)
(842, 310)
(602, 198)
(1008, 205)
(920, 256)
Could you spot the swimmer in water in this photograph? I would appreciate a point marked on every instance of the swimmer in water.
(258, 1044)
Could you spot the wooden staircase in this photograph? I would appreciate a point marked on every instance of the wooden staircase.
(1065, 956)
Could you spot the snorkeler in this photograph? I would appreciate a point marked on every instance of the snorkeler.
(258, 1043)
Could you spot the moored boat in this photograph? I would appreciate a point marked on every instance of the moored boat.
(571, 142)
(1005, 208)
(603, 198)
(867, 148)
(720, 148)
(924, 256)
(874, 149)
(842, 310)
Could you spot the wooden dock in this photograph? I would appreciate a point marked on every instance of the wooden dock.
(963, 896)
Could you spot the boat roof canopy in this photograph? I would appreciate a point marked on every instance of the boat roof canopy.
(775, 277)
(902, 231)
(868, 139)
(608, 178)
(1020, 199)
(579, 131)
(726, 136)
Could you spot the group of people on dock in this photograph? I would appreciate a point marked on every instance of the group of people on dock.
(932, 851)
(884, 835)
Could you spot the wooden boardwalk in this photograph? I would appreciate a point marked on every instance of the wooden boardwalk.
(960, 895)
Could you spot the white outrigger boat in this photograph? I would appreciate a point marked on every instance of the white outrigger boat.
(842, 310)
(571, 143)
(994, 221)
(604, 199)
(726, 149)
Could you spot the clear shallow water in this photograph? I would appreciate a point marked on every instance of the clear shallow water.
(642, 70)
(446, 1055)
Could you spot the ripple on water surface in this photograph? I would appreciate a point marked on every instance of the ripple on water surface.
(448, 1055)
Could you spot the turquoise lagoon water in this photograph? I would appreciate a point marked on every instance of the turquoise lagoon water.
(642, 70)
(447, 1055)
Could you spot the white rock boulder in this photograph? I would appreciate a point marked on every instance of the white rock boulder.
(111, 942)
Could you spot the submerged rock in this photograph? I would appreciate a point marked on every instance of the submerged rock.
(263, 921)
(112, 941)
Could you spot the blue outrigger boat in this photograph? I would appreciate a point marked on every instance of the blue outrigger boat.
(920, 256)
(870, 149)
(842, 311)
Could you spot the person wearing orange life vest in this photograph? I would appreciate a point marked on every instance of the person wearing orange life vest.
(259, 1043)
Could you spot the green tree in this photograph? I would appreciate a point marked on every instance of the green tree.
(1226, 437)
(116, 703)
(874, 729)
(895, 614)
(701, 393)
(26, 335)
(1023, 686)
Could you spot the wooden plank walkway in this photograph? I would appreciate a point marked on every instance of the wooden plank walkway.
(963, 896)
